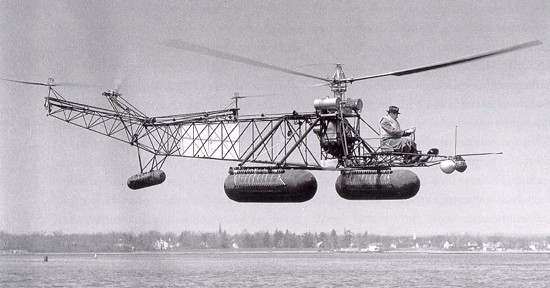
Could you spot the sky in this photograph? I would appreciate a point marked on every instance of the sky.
(58, 177)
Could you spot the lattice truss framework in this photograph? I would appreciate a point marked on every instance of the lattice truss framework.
(278, 140)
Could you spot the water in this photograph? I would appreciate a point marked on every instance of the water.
(276, 270)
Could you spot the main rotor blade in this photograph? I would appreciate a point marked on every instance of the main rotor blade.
(180, 44)
(448, 63)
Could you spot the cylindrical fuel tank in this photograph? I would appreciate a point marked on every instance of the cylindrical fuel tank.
(266, 185)
(147, 179)
(377, 185)
(329, 104)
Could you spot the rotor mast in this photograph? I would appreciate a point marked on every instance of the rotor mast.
(337, 86)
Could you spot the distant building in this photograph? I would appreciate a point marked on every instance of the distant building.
(472, 246)
(161, 245)
(534, 246)
(489, 247)
(493, 247)
(373, 247)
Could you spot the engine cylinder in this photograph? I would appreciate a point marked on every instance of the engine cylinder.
(263, 185)
(377, 185)
(147, 179)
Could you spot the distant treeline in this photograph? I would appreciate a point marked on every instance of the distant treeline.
(154, 241)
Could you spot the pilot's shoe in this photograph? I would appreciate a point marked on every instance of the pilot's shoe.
(426, 158)
(433, 151)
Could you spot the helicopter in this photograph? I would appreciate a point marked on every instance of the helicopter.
(275, 152)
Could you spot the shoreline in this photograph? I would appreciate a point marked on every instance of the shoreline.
(269, 251)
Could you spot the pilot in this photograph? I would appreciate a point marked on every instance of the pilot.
(392, 135)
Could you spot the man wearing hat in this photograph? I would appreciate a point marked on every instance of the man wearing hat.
(392, 135)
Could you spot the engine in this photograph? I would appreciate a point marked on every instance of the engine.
(270, 185)
(335, 138)
(377, 185)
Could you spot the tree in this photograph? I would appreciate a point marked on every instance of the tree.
(204, 241)
(333, 239)
(290, 240)
(323, 238)
(278, 238)
(267, 242)
(225, 243)
(308, 240)
(247, 241)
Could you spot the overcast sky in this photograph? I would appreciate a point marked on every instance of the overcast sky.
(58, 177)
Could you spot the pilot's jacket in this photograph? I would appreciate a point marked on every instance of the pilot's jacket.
(391, 134)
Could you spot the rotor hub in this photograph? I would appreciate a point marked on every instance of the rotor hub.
(337, 86)
(111, 93)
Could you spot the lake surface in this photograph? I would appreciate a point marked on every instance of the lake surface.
(276, 270)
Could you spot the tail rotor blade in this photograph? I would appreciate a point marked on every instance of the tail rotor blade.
(238, 96)
(48, 84)
(27, 82)
(72, 84)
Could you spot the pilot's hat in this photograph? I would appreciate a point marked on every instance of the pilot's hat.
(393, 109)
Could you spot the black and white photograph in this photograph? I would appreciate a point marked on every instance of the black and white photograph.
(286, 143)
